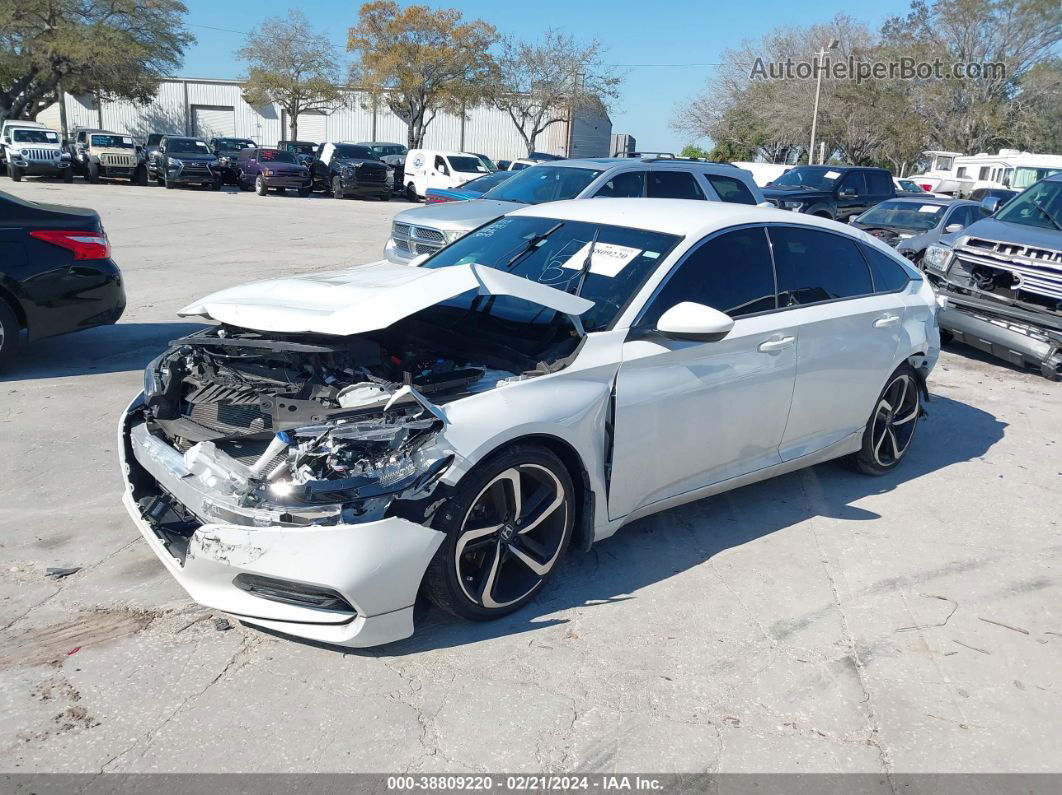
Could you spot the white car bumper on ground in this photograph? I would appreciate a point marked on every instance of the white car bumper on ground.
(373, 569)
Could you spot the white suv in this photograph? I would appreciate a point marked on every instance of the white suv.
(425, 230)
(29, 149)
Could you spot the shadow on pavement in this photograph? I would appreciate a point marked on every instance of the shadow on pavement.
(652, 549)
(105, 349)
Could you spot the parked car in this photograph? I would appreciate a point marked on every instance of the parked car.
(303, 150)
(350, 170)
(34, 151)
(99, 154)
(56, 273)
(1001, 279)
(473, 189)
(394, 155)
(913, 225)
(503, 165)
(265, 169)
(424, 230)
(1002, 194)
(837, 192)
(490, 164)
(227, 150)
(455, 429)
(908, 187)
(151, 153)
(183, 160)
(431, 168)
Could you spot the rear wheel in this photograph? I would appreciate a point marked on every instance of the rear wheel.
(9, 329)
(891, 427)
(507, 527)
(411, 192)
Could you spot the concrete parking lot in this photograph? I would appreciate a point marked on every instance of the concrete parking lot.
(823, 621)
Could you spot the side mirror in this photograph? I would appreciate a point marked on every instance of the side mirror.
(989, 205)
(950, 228)
(847, 192)
(690, 321)
(418, 260)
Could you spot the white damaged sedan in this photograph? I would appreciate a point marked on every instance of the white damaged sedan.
(338, 443)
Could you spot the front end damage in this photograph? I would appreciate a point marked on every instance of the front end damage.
(291, 478)
(1002, 298)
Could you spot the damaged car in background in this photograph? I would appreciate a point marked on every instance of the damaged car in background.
(339, 443)
(1000, 279)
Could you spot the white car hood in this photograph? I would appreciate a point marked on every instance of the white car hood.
(367, 298)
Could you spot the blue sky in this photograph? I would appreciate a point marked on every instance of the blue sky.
(663, 32)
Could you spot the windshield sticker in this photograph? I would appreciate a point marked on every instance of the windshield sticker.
(126, 139)
(930, 208)
(833, 174)
(608, 260)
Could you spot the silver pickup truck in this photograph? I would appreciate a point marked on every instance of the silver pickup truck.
(1002, 279)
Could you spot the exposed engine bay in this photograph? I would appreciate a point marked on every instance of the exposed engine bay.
(310, 428)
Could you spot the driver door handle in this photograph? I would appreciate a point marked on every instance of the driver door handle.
(886, 320)
(776, 344)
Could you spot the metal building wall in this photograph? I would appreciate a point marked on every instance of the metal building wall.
(484, 129)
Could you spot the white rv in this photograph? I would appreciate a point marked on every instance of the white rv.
(960, 175)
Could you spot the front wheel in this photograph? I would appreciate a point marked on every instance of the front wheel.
(14, 172)
(337, 188)
(507, 527)
(8, 333)
(93, 175)
(891, 427)
(260, 186)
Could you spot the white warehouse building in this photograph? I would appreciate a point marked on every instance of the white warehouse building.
(214, 107)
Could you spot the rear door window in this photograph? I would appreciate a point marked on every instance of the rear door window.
(854, 181)
(626, 184)
(879, 183)
(730, 189)
(674, 185)
(815, 266)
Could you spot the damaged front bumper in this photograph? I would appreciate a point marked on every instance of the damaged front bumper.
(350, 584)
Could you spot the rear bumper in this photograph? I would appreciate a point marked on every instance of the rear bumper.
(1013, 336)
(72, 299)
(375, 567)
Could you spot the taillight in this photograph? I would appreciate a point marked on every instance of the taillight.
(926, 187)
(85, 245)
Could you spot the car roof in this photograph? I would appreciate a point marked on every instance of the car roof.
(1053, 177)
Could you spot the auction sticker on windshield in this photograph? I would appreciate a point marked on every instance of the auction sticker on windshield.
(608, 260)
(833, 174)
(930, 208)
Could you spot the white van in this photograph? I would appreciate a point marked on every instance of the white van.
(431, 168)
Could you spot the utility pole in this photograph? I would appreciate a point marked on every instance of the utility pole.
(815, 112)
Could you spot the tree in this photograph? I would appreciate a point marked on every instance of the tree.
(111, 48)
(420, 62)
(975, 114)
(542, 84)
(291, 66)
(694, 151)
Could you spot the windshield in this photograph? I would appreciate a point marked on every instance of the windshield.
(1040, 205)
(467, 165)
(35, 137)
(116, 141)
(487, 181)
(490, 164)
(186, 146)
(903, 215)
(354, 151)
(233, 144)
(386, 150)
(1024, 176)
(300, 149)
(540, 184)
(276, 156)
(551, 252)
(813, 177)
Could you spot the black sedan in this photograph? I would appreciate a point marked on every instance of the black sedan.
(56, 273)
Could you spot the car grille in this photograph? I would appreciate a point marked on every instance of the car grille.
(412, 239)
(372, 173)
(124, 161)
(41, 154)
(1035, 269)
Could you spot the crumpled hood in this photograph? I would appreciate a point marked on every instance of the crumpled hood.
(457, 215)
(367, 298)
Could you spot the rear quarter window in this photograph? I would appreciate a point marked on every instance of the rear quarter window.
(889, 275)
(730, 189)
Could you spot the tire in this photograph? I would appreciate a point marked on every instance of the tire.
(305, 191)
(892, 424)
(9, 333)
(68, 175)
(215, 185)
(14, 172)
(93, 174)
(260, 186)
(482, 575)
(337, 188)
(411, 193)
(140, 177)
(170, 185)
